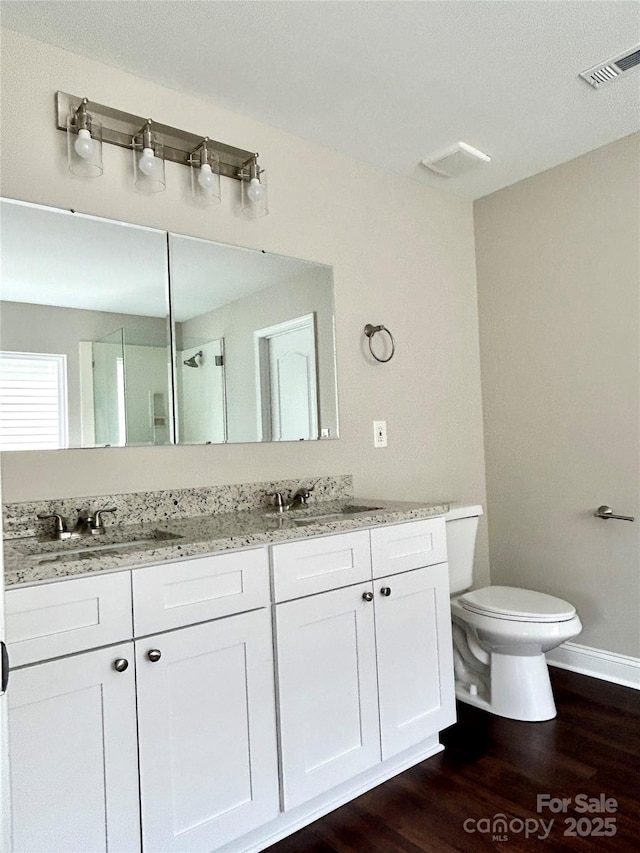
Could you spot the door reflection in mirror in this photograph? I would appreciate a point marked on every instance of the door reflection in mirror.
(286, 380)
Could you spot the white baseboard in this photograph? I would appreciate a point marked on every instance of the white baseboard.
(619, 669)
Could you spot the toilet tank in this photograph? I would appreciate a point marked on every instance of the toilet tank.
(462, 524)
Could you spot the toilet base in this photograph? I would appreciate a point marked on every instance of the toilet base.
(520, 689)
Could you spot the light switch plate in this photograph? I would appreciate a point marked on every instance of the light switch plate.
(379, 433)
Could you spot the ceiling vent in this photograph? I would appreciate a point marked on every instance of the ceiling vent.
(613, 68)
(455, 160)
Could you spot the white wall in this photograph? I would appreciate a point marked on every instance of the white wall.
(402, 253)
(559, 295)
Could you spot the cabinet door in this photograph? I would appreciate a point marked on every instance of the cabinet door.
(72, 741)
(329, 725)
(415, 657)
(206, 714)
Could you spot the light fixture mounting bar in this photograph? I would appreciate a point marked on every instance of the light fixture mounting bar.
(119, 128)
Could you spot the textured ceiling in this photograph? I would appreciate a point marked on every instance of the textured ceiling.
(384, 82)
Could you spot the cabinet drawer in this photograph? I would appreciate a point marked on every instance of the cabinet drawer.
(316, 565)
(60, 618)
(173, 595)
(400, 547)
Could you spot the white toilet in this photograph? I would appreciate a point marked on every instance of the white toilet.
(501, 633)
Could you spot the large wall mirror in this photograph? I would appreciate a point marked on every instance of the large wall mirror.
(84, 333)
(254, 342)
(92, 354)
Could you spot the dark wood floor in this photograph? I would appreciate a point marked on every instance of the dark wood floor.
(490, 766)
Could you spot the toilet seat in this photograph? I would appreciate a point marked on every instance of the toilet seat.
(518, 605)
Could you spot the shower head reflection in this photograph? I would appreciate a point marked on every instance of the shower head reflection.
(193, 362)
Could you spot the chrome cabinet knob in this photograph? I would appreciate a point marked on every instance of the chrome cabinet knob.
(154, 655)
(367, 596)
(385, 590)
(120, 664)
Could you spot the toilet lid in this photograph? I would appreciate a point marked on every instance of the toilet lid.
(525, 605)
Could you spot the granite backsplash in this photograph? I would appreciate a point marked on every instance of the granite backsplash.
(20, 519)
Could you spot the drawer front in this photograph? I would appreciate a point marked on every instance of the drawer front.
(317, 565)
(63, 617)
(400, 547)
(173, 595)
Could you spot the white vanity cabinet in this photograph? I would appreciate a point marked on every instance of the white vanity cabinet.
(142, 703)
(72, 721)
(413, 631)
(206, 707)
(366, 671)
(176, 730)
(74, 779)
(329, 727)
(415, 657)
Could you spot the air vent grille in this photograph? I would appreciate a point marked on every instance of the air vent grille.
(455, 160)
(613, 68)
(629, 62)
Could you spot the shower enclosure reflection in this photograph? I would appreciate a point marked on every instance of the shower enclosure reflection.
(104, 422)
(126, 381)
(201, 392)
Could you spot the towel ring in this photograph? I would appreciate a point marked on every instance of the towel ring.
(370, 331)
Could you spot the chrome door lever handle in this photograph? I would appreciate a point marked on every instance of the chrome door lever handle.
(606, 512)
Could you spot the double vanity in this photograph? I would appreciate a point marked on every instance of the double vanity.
(214, 682)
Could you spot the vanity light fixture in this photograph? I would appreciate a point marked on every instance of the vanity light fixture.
(254, 189)
(148, 160)
(205, 174)
(84, 143)
(153, 144)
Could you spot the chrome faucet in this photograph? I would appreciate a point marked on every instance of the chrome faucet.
(90, 523)
(301, 497)
(87, 524)
(277, 500)
(60, 529)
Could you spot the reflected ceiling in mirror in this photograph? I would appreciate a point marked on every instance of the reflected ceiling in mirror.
(254, 341)
(84, 336)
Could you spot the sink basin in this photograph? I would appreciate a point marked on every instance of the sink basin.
(45, 552)
(311, 517)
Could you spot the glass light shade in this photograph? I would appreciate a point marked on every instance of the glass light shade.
(148, 166)
(84, 148)
(205, 180)
(255, 196)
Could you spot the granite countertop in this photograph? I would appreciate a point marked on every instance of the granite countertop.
(29, 560)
